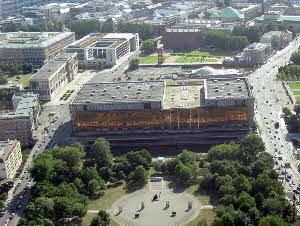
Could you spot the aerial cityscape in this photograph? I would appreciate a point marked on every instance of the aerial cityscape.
(150, 113)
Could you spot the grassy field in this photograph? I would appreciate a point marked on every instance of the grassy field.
(297, 92)
(149, 59)
(105, 202)
(297, 99)
(23, 79)
(193, 60)
(294, 85)
(207, 215)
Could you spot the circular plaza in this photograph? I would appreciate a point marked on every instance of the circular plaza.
(156, 205)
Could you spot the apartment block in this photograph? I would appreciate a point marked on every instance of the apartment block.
(10, 158)
(36, 48)
(54, 75)
(277, 39)
(20, 122)
(257, 53)
(105, 49)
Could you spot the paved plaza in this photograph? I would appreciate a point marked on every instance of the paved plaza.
(156, 213)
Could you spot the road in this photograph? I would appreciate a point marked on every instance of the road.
(270, 98)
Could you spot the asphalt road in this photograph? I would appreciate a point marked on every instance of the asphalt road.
(270, 98)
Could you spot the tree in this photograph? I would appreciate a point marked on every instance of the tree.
(93, 186)
(133, 64)
(85, 27)
(149, 46)
(297, 109)
(287, 111)
(139, 158)
(184, 173)
(295, 58)
(140, 175)
(108, 26)
(101, 154)
(272, 221)
(106, 173)
(103, 219)
(42, 167)
(3, 80)
(90, 173)
(250, 146)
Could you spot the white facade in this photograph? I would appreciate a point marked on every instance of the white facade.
(10, 158)
(104, 49)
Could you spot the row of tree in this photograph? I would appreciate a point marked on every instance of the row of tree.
(7, 94)
(226, 41)
(85, 27)
(15, 69)
(66, 177)
(55, 26)
(246, 184)
(289, 73)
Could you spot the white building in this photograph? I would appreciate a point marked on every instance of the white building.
(10, 158)
(106, 49)
(277, 39)
(257, 53)
(54, 75)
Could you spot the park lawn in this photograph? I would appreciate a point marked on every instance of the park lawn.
(149, 59)
(207, 215)
(23, 79)
(105, 202)
(296, 92)
(297, 99)
(204, 198)
(294, 85)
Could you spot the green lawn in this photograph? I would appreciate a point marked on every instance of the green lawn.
(193, 60)
(294, 85)
(297, 92)
(105, 202)
(297, 99)
(207, 215)
(23, 79)
(149, 59)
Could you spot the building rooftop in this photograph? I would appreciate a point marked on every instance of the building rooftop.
(226, 88)
(120, 92)
(6, 148)
(182, 94)
(26, 104)
(257, 45)
(52, 67)
(31, 39)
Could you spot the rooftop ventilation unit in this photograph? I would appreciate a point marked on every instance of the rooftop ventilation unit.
(113, 97)
(215, 80)
(240, 86)
(104, 90)
(216, 90)
(88, 101)
(216, 87)
(229, 93)
(151, 86)
(240, 90)
(92, 94)
(125, 96)
(227, 83)
(149, 95)
(118, 87)
(139, 89)
(238, 79)
(138, 92)
(93, 91)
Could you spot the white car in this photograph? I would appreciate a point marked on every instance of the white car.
(20, 182)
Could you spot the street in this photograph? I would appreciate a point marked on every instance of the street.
(270, 98)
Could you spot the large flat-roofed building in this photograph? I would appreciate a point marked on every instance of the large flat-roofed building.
(163, 109)
(105, 49)
(36, 48)
(54, 75)
(20, 122)
(10, 158)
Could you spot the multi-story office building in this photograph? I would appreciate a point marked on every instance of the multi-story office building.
(20, 122)
(164, 112)
(10, 158)
(54, 75)
(36, 48)
(105, 49)
(257, 53)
